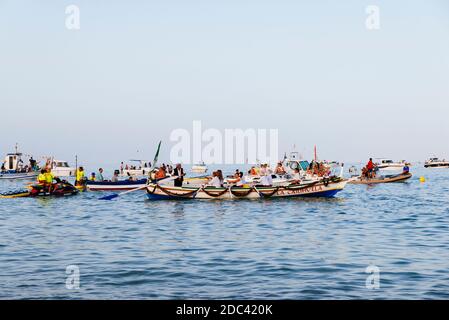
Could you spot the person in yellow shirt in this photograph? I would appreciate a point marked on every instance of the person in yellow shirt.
(41, 177)
(79, 177)
(49, 179)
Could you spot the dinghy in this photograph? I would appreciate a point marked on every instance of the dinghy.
(381, 179)
(323, 188)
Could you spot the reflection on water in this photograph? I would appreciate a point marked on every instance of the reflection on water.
(273, 248)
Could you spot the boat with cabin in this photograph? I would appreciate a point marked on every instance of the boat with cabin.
(199, 167)
(390, 165)
(13, 167)
(435, 162)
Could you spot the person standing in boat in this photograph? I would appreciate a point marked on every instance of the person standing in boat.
(370, 168)
(79, 181)
(179, 173)
(115, 176)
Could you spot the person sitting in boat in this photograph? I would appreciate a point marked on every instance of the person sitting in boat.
(236, 180)
(161, 173)
(254, 171)
(100, 177)
(41, 177)
(92, 176)
(179, 173)
(296, 179)
(215, 181)
(406, 169)
(266, 180)
(115, 176)
(280, 169)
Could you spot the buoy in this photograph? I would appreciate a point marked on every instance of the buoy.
(422, 179)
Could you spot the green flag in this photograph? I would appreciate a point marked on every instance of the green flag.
(156, 155)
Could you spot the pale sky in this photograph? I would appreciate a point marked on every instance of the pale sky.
(136, 70)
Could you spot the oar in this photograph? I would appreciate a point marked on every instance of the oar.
(116, 195)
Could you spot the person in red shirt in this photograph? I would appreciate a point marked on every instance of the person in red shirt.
(370, 167)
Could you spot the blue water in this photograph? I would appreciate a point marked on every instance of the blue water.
(131, 248)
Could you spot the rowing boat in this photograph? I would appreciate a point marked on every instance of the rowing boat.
(386, 179)
(323, 188)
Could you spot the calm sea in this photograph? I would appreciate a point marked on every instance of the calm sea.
(131, 248)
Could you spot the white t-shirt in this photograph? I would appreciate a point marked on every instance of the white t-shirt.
(215, 182)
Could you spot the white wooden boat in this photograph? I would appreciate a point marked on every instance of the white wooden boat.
(324, 188)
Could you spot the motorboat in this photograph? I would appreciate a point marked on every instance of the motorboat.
(199, 168)
(390, 165)
(436, 163)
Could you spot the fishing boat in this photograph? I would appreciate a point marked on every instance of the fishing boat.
(13, 167)
(123, 185)
(325, 188)
(381, 179)
(60, 189)
(390, 165)
(199, 168)
(436, 163)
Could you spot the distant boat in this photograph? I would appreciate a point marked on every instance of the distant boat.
(436, 163)
(199, 168)
(61, 168)
(141, 170)
(13, 167)
(388, 164)
(381, 179)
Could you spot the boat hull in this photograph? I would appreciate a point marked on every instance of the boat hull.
(115, 186)
(18, 176)
(396, 178)
(316, 189)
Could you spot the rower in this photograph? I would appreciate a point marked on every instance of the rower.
(92, 176)
(161, 173)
